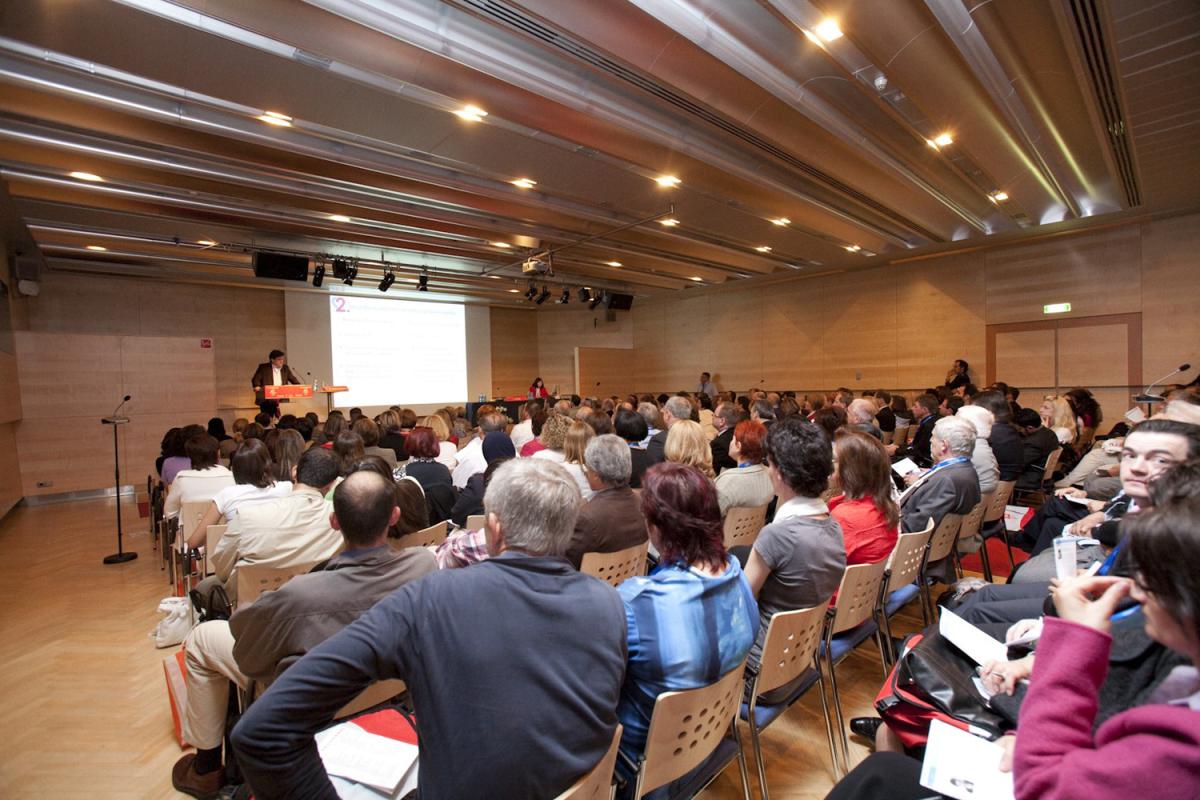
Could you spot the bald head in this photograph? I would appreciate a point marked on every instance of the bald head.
(364, 507)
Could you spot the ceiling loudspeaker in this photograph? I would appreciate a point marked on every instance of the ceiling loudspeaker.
(281, 267)
(620, 302)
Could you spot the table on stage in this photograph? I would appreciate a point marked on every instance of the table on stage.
(293, 391)
(510, 405)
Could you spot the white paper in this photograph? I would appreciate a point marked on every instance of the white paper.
(1013, 516)
(1083, 501)
(1064, 557)
(904, 466)
(1135, 415)
(978, 646)
(350, 752)
(966, 767)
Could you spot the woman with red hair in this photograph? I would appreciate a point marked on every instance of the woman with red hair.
(749, 485)
(693, 619)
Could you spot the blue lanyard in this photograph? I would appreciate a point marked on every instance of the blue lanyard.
(949, 462)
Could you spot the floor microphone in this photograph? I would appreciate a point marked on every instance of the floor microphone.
(1146, 397)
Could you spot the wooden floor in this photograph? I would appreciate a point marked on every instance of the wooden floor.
(82, 694)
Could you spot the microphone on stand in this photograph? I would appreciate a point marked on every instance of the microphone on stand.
(121, 556)
(1146, 397)
(124, 400)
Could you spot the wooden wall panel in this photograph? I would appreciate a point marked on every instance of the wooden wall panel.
(792, 328)
(1170, 290)
(10, 388)
(737, 340)
(649, 362)
(561, 330)
(939, 318)
(603, 371)
(1094, 356)
(10, 468)
(1025, 358)
(68, 375)
(858, 333)
(514, 350)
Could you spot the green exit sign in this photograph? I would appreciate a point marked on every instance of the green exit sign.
(1056, 308)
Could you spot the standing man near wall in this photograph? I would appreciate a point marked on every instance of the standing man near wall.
(273, 372)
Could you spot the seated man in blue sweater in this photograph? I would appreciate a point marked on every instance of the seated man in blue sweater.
(514, 664)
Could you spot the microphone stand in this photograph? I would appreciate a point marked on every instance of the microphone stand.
(119, 557)
(1151, 399)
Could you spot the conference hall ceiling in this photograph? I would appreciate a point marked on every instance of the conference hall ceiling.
(639, 146)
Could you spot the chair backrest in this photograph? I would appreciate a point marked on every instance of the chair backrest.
(212, 536)
(254, 579)
(945, 534)
(378, 692)
(687, 726)
(616, 567)
(190, 514)
(857, 595)
(742, 524)
(429, 537)
(888, 437)
(904, 564)
(1000, 498)
(597, 783)
(973, 521)
(912, 432)
(1051, 464)
(475, 522)
(788, 648)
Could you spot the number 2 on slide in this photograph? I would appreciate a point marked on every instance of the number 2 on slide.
(339, 304)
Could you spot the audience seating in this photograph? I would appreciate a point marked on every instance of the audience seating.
(849, 624)
(597, 783)
(941, 545)
(686, 732)
(993, 524)
(900, 582)
(970, 526)
(376, 694)
(1047, 481)
(789, 656)
(211, 537)
(742, 524)
(429, 537)
(616, 567)
(475, 522)
(254, 579)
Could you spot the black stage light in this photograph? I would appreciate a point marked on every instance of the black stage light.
(318, 275)
(387, 282)
(351, 274)
(423, 283)
(584, 295)
(566, 297)
(544, 296)
(597, 300)
(529, 295)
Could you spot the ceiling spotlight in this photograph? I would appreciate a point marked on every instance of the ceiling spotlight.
(514, 291)
(998, 197)
(667, 181)
(584, 294)
(565, 298)
(697, 279)
(524, 183)
(828, 30)
(386, 283)
(350, 274)
(669, 222)
(87, 176)
(544, 296)
(471, 113)
(97, 248)
(943, 140)
(532, 291)
(614, 263)
(852, 248)
(275, 118)
(505, 245)
(339, 218)
(781, 221)
(206, 243)
(423, 282)
(763, 248)
(881, 83)
(318, 275)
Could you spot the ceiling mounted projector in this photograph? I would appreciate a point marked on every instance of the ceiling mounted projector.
(535, 266)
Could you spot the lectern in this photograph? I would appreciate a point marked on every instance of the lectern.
(119, 557)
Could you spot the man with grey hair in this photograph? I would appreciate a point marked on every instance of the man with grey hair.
(612, 519)
(725, 418)
(565, 408)
(514, 665)
(675, 409)
(860, 416)
(951, 486)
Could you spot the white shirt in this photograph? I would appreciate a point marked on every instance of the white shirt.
(276, 376)
(231, 498)
(196, 484)
(470, 462)
(801, 507)
(577, 473)
(522, 434)
(448, 455)
(551, 455)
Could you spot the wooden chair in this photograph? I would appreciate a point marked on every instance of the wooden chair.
(851, 622)
(994, 515)
(686, 729)
(941, 544)
(789, 655)
(429, 537)
(888, 437)
(211, 537)
(377, 693)
(900, 579)
(190, 514)
(969, 527)
(1047, 480)
(742, 524)
(475, 522)
(616, 567)
(597, 783)
(254, 579)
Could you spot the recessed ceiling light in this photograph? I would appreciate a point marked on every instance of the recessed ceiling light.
(471, 113)
(998, 197)
(514, 291)
(495, 277)
(206, 243)
(97, 248)
(524, 183)
(669, 222)
(667, 181)
(615, 264)
(87, 176)
(781, 221)
(828, 30)
(500, 244)
(697, 278)
(939, 141)
(853, 248)
(275, 118)
(339, 218)
(763, 248)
